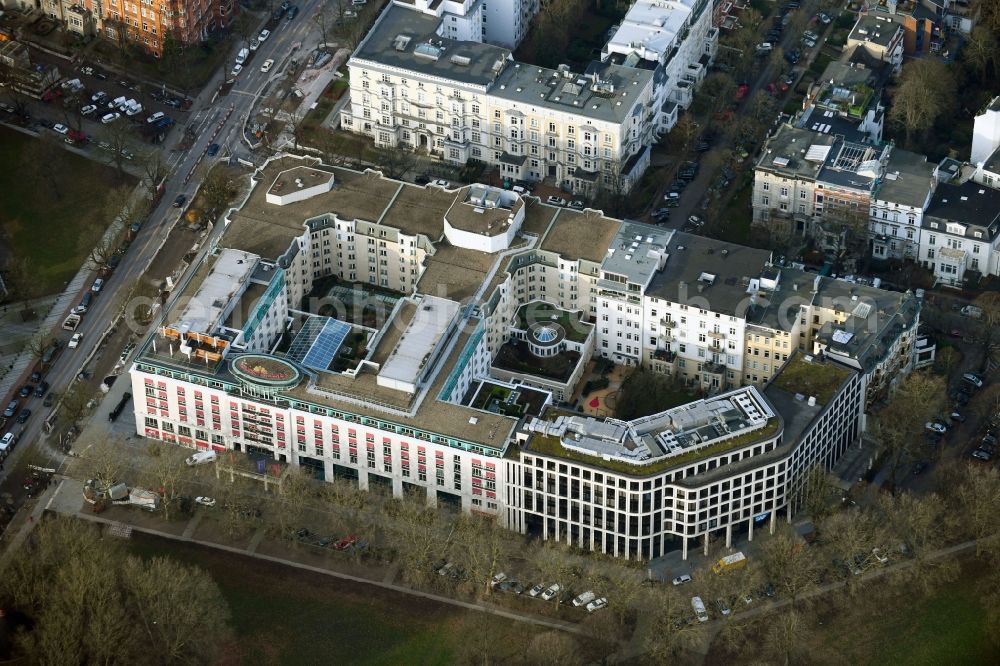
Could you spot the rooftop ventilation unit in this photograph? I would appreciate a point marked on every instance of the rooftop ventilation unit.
(401, 42)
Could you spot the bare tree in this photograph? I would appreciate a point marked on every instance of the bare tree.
(219, 188)
(980, 52)
(164, 473)
(154, 168)
(977, 494)
(395, 161)
(668, 626)
(819, 493)
(899, 427)
(134, 608)
(920, 525)
(789, 565)
(926, 91)
(420, 535)
(102, 459)
(117, 136)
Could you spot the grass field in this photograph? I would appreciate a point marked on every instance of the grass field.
(282, 615)
(946, 628)
(42, 223)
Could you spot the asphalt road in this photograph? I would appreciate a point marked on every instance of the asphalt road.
(214, 121)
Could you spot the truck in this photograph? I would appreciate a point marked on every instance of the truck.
(71, 322)
(730, 563)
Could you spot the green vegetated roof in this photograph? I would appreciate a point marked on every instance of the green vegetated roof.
(811, 378)
(552, 446)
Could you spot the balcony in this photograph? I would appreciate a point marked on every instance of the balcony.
(668, 323)
(718, 335)
(665, 355)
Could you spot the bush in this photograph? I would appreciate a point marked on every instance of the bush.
(596, 385)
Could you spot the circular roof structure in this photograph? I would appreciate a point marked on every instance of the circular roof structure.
(265, 370)
(545, 334)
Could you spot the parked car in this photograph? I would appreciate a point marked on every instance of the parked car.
(110, 118)
(11, 408)
(88, 109)
(205, 501)
(499, 578)
(683, 578)
(957, 417)
(74, 342)
(293, 11)
(556, 201)
(41, 389)
(24, 415)
(597, 604)
(982, 454)
(536, 590)
(98, 285)
(264, 34)
(973, 379)
(26, 390)
(236, 71)
(933, 426)
(584, 599)
(440, 182)
(266, 66)
(345, 543)
(551, 592)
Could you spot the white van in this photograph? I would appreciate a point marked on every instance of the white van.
(699, 609)
(242, 56)
(201, 458)
(6, 445)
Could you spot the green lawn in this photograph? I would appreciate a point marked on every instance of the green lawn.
(45, 220)
(947, 627)
(282, 615)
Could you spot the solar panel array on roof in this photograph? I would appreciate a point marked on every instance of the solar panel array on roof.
(327, 345)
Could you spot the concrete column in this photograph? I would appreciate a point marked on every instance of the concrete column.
(729, 535)
(397, 487)
(362, 479)
(431, 497)
(684, 548)
(706, 543)
(788, 514)
(328, 470)
(774, 520)
(750, 523)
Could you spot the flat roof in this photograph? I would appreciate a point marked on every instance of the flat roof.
(584, 235)
(407, 39)
(653, 25)
(711, 270)
(289, 181)
(908, 179)
(877, 28)
(416, 345)
(678, 436)
(215, 285)
(606, 92)
(537, 216)
(483, 209)
(795, 152)
(454, 272)
(637, 251)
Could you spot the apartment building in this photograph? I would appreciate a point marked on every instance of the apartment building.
(726, 465)
(808, 181)
(961, 233)
(676, 41)
(405, 337)
(898, 204)
(881, 35)
(144, 24)
(457, 99)
(24, 75)
(847, 99)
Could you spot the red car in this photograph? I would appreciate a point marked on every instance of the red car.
(742, 91)
(345, 543)
(51, 95)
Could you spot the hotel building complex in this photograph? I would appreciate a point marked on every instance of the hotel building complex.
(431, 340)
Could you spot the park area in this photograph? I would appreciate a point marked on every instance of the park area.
(52, 203)
(281, 615)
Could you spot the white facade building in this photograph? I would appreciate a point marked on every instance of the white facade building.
(961, 232)
(985, 156)
(664, 480)
(677, 41)
(898, 205)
